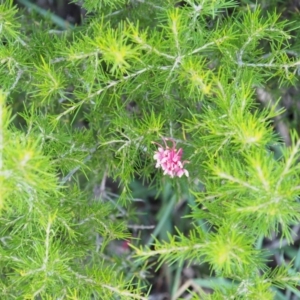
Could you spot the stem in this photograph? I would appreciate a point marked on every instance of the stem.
(54, 18)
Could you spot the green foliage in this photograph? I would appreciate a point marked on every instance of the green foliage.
(9, 26)
(98, 6)
(80, 106)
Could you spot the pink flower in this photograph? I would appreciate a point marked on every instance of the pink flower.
(169, 159)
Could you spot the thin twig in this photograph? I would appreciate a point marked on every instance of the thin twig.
(73, 171)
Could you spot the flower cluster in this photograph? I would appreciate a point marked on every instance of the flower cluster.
(169, 159)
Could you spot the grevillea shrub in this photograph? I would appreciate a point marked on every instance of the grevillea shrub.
(160, 93)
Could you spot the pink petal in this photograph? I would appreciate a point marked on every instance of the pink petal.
(180, 173)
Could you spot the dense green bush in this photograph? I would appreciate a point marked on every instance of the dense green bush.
(83, 105)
